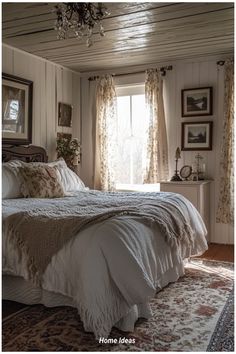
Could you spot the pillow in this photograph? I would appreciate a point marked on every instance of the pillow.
(10, 180)
(60, 162)
(69, 179)
(40, 182)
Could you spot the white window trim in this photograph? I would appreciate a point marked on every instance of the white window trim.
(129, 90)
(121, 187)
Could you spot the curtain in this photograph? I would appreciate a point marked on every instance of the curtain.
(106, 134)
(157, 150)
(225, 210)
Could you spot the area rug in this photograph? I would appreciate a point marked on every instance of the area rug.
(193, 314)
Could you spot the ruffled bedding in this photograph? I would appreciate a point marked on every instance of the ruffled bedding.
(111, 269)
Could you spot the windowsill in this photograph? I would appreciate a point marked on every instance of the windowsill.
(138, 187)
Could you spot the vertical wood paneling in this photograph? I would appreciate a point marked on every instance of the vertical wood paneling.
(59, 89)
(51, 84)
(43, 98)
(190, 75)
(169, 88)
(176, 128)
(21, 64)
(7, 60)
(87, 160)
(51, 110)
(77, 106)
(76, 133)
(36, 139)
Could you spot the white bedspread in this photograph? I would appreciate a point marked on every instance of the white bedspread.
(111, 269)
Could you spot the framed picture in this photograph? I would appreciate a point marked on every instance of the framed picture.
(17, 96)
(66, 136)
(197, 102)
(197, 135)
(64, 115)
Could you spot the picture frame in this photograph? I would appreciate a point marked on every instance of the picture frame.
(197, 136)
(67, 136)
(17, 101)
(197, 102)
(64, 115)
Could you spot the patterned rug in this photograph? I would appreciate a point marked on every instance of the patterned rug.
(194, 314)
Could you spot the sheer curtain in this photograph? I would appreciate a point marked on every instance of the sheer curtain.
(157, 149)
(106, 134)
(225, 211)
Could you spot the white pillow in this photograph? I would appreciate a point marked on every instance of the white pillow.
(12, 179)
(69, 179)
(11, 182)
(60, 162)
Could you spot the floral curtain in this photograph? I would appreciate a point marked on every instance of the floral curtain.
(106, 132)
(225, 211)
(157, 149)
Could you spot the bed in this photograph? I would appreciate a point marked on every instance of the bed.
(106, 254)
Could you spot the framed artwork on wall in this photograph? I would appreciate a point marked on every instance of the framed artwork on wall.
(196, 102)
(66, 136)
(17, 96)
(197, 136)
(64, 115)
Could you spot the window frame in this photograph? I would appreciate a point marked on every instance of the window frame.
(131, 90)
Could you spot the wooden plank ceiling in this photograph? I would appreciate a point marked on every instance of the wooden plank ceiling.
(135, 34)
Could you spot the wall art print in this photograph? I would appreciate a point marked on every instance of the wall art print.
(197, 102)
(64, 115)
(17, 97)
(197, 136)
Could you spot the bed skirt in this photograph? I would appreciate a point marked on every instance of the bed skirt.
(15, 288)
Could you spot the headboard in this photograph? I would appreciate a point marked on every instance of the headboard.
(29, 153)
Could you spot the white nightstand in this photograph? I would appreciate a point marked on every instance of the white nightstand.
(198, 193)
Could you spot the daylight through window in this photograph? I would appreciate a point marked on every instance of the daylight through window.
(132, 127)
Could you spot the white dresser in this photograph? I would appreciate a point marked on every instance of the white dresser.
(198, 193)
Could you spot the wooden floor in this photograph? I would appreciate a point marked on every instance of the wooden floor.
(219, 252)
(215, 252)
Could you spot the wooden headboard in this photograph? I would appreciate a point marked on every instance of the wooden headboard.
(29, 153)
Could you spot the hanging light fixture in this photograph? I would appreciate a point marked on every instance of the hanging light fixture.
(79, 19)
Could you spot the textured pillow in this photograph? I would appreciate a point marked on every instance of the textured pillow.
(10, 180)
(60, 162)
(40, 182)
(69, 179)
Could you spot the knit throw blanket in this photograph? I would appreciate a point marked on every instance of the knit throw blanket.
(39, 228)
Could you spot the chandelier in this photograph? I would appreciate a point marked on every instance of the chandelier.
(78, 19)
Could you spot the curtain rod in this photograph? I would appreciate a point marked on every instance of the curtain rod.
(220, 62)
(162, 70)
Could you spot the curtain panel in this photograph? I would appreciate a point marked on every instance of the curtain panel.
(157, 168)
(106, 134)
(225, 210)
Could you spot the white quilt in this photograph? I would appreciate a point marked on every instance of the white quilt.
(112, 269)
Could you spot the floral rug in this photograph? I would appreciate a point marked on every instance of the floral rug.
(193, 314)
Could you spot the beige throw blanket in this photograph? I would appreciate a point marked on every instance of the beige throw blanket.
(39, 228)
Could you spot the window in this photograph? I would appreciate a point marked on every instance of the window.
(132, 128)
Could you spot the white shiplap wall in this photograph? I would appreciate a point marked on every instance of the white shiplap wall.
(189, 74)
(185, 74)
(51, 84)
